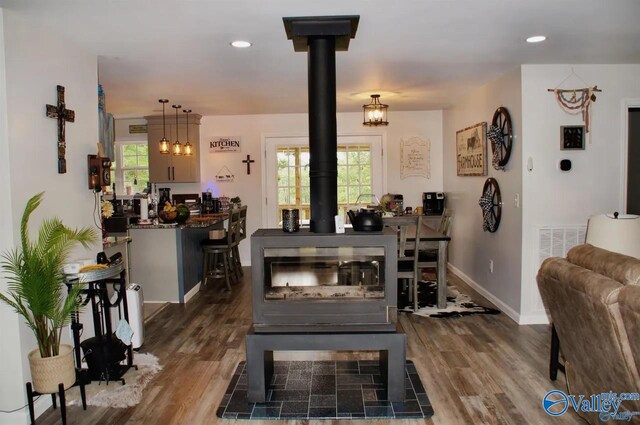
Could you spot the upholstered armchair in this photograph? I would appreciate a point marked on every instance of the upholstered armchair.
(593, 298)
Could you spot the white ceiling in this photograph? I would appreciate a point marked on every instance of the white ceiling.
(419, 54)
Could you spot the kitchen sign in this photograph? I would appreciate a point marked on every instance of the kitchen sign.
(224, 144)
(137, 129)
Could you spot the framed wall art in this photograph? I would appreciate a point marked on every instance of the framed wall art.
(415, 157)
(572, 137)
(471, 148)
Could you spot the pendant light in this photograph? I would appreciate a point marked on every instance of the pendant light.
(188, 148)
(164, 143)
(177, 146)
(375, 113)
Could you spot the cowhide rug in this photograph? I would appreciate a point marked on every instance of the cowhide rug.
(458, 303)
(115, 394)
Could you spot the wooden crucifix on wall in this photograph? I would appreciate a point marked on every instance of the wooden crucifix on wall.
(248, 161)
(62, 114)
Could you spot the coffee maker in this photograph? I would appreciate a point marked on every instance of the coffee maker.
(164, 194)
(210, 205)
(433, 203)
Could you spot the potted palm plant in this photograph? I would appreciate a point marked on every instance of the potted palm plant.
(37, 293)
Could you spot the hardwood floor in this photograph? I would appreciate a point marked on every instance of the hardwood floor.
(481, 369)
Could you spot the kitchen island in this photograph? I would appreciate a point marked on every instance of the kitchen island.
(114, 244)
(166, 259)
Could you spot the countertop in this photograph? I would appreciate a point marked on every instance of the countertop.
(196, 222)
(112, 241)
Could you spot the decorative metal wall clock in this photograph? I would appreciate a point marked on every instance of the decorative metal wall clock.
(500, 134)
(491, 205)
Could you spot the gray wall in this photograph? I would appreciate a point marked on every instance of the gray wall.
(471, 248)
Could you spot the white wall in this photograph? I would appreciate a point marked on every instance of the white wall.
(471, 248)
(252, 128)
(593, 186)
(36, 62)
(122, 129)
(11, 364)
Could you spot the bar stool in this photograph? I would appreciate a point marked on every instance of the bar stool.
(217, 259)
(242, 234)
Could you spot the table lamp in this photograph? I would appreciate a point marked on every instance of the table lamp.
(615, 232)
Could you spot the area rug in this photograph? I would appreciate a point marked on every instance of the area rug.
(115, 394)
(458, 303)
(325, 390)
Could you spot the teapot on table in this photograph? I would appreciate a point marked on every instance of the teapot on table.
(366, 219)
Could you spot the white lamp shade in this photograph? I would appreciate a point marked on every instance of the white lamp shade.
(620, 234)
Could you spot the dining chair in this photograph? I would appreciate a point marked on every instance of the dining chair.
(445, 221)
(428, 258)
(217, 259)
(408, 229)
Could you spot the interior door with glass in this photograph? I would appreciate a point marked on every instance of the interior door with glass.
(360, 172)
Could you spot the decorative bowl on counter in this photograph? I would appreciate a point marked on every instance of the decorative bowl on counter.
(167, 216)
(183, 213)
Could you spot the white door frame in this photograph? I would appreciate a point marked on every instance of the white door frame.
(626, 104)
(263, 147)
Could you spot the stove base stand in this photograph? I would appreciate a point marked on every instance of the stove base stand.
(260, 348)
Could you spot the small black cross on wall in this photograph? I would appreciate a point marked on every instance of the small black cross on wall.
(62, 114)
(248, 161)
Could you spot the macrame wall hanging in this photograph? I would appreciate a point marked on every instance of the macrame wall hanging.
(576, 101)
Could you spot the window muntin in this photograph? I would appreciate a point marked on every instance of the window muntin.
(293, 186)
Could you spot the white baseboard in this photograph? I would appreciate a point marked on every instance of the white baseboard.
(41, 405)
(161, 302)
(513, 315)
(535, 319)
(22, 416)
(192, 292)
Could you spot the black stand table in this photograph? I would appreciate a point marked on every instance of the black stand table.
(95, 291)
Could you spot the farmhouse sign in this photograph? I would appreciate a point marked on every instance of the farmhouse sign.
(471, 148)
(224, 144)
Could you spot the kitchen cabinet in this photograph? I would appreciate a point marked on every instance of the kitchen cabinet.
(167, 168)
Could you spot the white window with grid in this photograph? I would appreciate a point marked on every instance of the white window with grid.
(360, 172)
(131, 166)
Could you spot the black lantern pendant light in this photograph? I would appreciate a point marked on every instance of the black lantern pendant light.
(188, 148)
(375, 113)
(164, 143)
(177, 146)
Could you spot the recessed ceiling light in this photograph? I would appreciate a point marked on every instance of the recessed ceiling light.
(240, 44)
(536, 39)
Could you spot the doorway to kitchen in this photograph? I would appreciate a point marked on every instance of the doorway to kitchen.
(361, 171)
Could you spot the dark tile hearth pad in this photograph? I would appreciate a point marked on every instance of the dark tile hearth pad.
(325, 390)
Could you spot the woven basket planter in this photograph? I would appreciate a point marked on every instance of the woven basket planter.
(48, 372)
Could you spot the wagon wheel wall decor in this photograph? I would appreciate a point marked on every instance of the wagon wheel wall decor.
(491, 205)
(500, 134)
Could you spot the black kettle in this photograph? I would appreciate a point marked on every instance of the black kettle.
(366, 220)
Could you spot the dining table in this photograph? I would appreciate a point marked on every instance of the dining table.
(431, 239)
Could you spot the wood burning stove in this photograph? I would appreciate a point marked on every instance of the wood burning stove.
(310, 282)
(314, 289)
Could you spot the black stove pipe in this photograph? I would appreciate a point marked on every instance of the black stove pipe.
(321, 37)
(323, 143)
